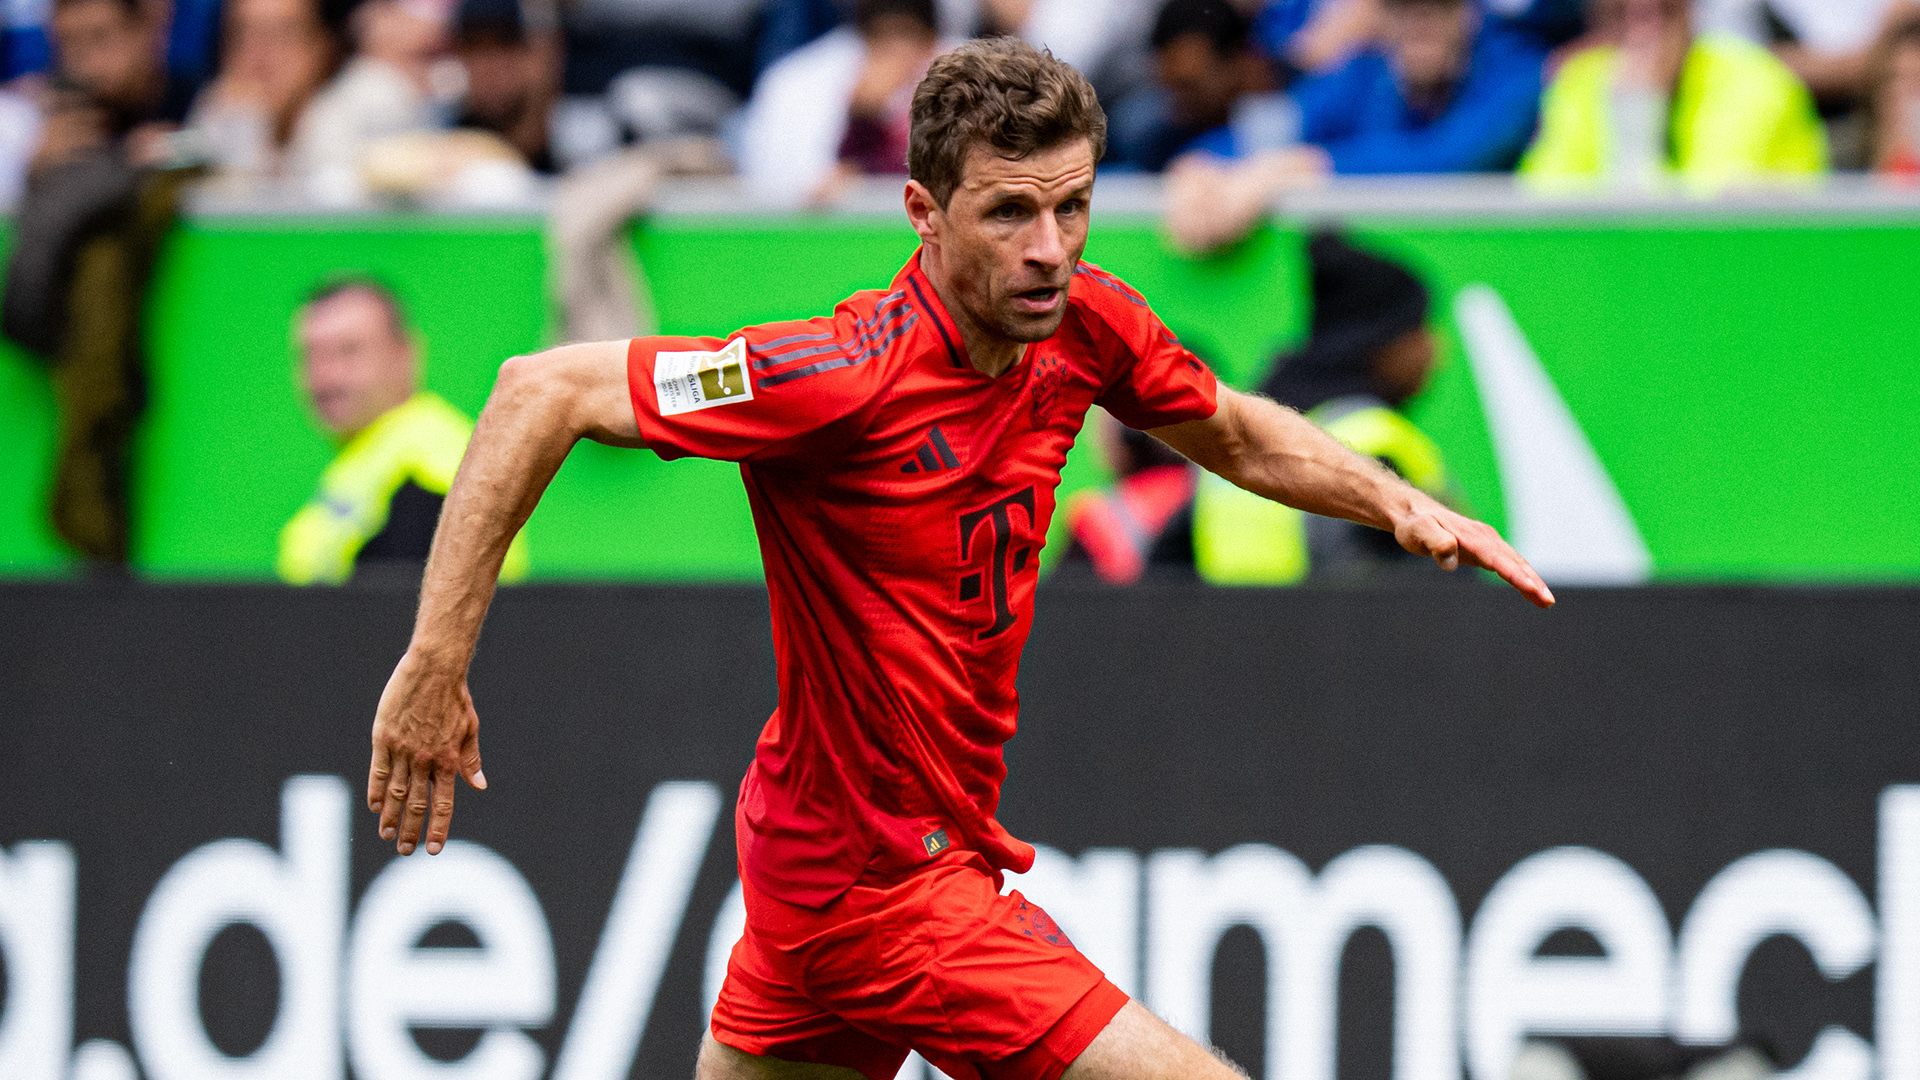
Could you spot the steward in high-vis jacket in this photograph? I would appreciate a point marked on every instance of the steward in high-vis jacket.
(379, 500)
(1369, 350)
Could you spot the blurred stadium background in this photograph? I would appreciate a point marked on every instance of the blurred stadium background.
(1357, 822)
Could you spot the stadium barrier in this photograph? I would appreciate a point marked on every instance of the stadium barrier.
(1343, 834)
(1724, 386)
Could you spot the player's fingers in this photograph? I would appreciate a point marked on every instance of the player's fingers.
(394, 802)
(470, 750)
(1425, 535)
(1484, 548)
(1530, 585)
(442, 809)
(1515, 571)
(470, 765)
(377, 774)
(419, 781)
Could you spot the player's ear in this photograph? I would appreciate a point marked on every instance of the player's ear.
(923, 213)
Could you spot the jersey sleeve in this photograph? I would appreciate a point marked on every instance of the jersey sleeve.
(1151, 379)
(760, 394)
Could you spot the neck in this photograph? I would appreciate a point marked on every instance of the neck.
(990, 353)
(393, 402)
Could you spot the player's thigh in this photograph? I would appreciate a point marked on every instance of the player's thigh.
(1137, 1045)
(718, 1061)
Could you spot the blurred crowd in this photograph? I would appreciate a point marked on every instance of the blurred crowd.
(471, 101)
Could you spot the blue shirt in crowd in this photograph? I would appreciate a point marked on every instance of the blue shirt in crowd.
(1357, 114)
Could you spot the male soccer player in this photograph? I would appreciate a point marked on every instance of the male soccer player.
(901, 457)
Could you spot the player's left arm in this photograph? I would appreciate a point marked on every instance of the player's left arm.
(1275, 452)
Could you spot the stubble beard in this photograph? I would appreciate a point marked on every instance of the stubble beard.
(1028, 331)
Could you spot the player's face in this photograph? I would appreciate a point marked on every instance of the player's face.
(1011, 235)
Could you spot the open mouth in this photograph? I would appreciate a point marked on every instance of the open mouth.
(1038, 300)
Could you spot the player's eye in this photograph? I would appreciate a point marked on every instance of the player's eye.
(1071, 207)
(1009, 212)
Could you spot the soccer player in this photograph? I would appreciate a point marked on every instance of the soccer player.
(901, 456)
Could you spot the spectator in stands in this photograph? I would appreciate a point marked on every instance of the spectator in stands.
(1369, 351)
(1311, 36)
(379, 501)
(1827, 43)
(1893, 100)
(192, 27)
(513, 75)
(837, 108)
(595, 283)
(276, 56)
(786, 25)
(1709, 110)
(661, 68)
(1217, 92)
(400, 79)
(96, 207)
(1105, 40)
(111, 55)
(1446, 90)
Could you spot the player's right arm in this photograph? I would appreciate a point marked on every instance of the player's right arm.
(426, 731)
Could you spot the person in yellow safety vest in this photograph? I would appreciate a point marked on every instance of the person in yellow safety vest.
(1708, 111)
(1368, 351)
(379, 501)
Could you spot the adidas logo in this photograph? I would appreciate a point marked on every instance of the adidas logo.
(933, 455)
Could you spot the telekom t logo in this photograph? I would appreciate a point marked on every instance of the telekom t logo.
(1000, 515)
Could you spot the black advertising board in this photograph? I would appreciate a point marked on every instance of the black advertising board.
(1344, 834)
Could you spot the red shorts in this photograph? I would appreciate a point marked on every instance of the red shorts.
(984, 986)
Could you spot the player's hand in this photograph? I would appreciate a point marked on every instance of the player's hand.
(1451, 539)
(425, 733)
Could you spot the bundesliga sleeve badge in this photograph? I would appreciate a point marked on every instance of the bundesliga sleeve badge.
(685, 382)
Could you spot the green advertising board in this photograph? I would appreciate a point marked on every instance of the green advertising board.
(1741, 388)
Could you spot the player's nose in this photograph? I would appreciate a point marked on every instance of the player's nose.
(1046, 247)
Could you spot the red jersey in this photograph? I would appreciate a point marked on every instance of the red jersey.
(901, 500)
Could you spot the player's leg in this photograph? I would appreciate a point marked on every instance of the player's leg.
(1137, 1045)
(764, 1028)
(984, 985)
(718, 1061)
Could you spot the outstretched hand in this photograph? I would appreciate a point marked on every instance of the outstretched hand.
(1451, 539)
(425, 733)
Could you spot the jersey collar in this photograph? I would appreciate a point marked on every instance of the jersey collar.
(913, 280)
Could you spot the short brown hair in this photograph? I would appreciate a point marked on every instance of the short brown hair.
(1004, 92)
